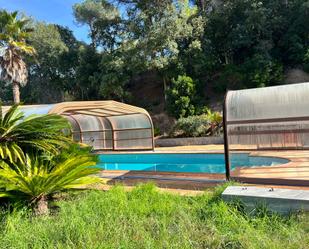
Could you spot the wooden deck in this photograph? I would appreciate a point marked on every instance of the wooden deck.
(295, 172)
(176, 180)
(296, 169)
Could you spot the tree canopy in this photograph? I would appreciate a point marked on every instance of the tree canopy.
(218, 44)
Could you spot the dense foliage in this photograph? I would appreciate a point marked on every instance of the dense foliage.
(218, 44)
(147, 218)
(208, 124)
(180, 97)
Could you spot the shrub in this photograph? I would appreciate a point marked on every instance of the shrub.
(261, 71)
(207, 124)
(156, 131)
(192, 126)
(37, 159)
(306, 61)
(180, 97)
(38, 178)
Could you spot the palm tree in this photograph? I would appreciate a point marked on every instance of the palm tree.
(13, 44)
(36, 133)
(39, 178)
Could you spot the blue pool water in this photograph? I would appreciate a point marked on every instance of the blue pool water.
(194, 163)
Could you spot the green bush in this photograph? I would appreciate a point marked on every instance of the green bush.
(261, 71)
(180, 97)
(37, 160)
(306, 61)
(207, 124)
(156, 131)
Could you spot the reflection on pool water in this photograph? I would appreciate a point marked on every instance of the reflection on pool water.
(193, 163)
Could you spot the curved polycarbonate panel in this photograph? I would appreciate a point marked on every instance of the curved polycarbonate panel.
(76, 132)
(105, 123)
(132, 121)
(74, 124)
(88, 123)
(268, 118)
(93, 131)
(118, 133)
(132, 134)
(268, 103)
(133, 144)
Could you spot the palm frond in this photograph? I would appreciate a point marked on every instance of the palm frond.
(36, 133)
(38, 177)
(22, 46)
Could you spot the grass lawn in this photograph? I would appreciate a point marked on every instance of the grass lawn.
(146, 218)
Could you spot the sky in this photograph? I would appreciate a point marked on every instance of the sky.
(50, 11)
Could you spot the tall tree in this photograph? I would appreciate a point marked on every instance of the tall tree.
(13, 45)
(53, 72)
(99, 15)
(87, 84)
(103, 71)
(157, 30)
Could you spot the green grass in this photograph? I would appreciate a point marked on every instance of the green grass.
(146, 218)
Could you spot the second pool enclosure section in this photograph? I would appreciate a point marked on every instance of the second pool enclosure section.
(272, 118)
(268, 118)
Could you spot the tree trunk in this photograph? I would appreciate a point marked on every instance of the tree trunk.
(165, 88)
(41, 207)
(16, 93)
(226, 58)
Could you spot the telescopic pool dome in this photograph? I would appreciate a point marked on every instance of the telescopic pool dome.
(105, 125)
(268, 118)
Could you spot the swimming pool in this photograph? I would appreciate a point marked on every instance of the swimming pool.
(191, 163)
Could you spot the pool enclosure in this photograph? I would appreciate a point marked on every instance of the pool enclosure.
(104, 125)
(269, 118)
